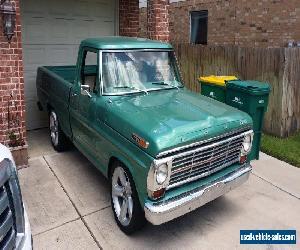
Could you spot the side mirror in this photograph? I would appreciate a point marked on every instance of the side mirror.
(85, 90)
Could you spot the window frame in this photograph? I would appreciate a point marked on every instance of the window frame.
(191, 13)
(177, 71)
(84, 52)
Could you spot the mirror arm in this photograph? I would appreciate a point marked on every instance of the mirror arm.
(87, 93)
(84, 90)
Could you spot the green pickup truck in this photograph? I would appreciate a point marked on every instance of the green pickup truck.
(165, 149)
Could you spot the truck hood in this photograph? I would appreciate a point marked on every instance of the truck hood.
(172, 118)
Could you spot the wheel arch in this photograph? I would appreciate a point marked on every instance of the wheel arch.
(117, 158)
(126, 163)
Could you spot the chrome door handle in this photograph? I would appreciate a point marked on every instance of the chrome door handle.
(74, 94)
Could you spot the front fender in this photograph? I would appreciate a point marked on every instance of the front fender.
(138, 162)
(139, 174)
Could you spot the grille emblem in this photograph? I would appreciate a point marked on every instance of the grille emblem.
(192, 164)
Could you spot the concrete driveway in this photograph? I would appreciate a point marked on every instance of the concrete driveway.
(69, 206)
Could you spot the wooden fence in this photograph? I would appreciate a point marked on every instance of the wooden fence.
(278, 66)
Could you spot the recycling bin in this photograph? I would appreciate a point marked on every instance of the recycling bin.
(215, 86)
(251, 97)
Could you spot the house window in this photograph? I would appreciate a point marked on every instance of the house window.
(199, 21)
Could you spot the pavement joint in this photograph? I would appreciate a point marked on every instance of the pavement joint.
(272, 184)
(42, 156)
(76, 209)
(96, 211)
(50, 229)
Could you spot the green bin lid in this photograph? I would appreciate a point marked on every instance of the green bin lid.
(251, 87)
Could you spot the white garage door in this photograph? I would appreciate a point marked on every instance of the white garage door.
(52, 31)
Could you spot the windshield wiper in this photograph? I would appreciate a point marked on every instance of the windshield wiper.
(165, 84)
(131, 87)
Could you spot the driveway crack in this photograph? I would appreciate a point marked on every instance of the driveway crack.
(72, 202)
(281, 189)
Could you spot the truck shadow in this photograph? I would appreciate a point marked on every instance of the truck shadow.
(89, 191)
(201, 220)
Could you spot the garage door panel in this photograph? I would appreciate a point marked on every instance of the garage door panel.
(61, 55)
(59, 32)
(52, 31)
(57, 8)
(34, 30)
(103, 9)
(34, 117)
(31, 7)
(33, 56)
(104, 29)
(30, 90)
(49, 55)
(80, 30)
(81, 9)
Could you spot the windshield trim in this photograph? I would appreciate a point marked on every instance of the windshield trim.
(137, 91)
(132, 92)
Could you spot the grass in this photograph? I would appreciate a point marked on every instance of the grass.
(287, 149)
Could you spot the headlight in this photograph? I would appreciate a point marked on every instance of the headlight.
(158, 177)
(161, 174)
(247, 144)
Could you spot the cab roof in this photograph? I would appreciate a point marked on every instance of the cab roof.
(122, 42)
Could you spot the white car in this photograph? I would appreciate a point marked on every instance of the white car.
(15, 230)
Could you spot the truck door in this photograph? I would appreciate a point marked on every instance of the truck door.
(83, 99)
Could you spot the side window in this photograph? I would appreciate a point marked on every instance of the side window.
(199, 23)
(89, 70)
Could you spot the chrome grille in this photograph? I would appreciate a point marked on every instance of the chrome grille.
(7, 224)
(206, 158)
(8, 227)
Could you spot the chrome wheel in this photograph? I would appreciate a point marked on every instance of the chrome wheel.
(122, 196)
(53, 124)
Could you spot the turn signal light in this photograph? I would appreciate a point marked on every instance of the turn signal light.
(158, 193)
(140, 141)
(243, 159)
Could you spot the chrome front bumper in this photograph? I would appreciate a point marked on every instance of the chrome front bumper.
(161, 212)
(24, 240)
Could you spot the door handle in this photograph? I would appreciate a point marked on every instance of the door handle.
(74, 94)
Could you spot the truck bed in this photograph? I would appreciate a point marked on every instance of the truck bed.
(53, 85)
(66, 72)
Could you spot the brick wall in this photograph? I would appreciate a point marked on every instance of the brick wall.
(158, 20)
(137, 25)
(12, 84)
(143, 23)
(220, 20)
(267, 23)
(129, 17)
(243, 22)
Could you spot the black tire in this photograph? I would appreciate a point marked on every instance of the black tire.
(138, 219)
(60, 143)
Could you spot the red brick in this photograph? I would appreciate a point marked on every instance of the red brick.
(11, 82)
(129, 17)
(157, 20)
(245, 23)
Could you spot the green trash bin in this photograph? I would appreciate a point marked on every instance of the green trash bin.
(251, 97)
(215, 86)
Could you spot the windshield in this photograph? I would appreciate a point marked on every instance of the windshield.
(139, 71)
